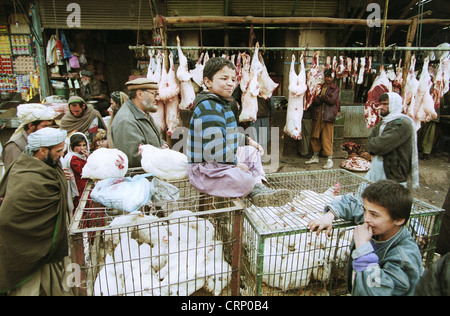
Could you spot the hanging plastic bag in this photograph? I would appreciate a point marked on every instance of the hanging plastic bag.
(127, 194)
(73, 62)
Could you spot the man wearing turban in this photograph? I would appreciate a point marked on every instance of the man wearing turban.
(34, 219)
(33, 117)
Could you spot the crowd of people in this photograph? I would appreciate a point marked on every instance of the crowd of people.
(43, 180)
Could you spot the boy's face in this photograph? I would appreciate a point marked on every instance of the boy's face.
(381, 222)
(222, 83)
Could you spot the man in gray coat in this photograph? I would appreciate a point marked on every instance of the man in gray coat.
(133, 125)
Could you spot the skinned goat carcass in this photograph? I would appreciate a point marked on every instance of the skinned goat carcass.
(172, 103)
(438, 86)
(266, 85)
(238, 69)
(168, 86)
(197, 72)
(159, 116)
(251, 91)
(334, 66)
(380, 85)
(314, 81)
(340, 70)
(410, 92)
(424, 100)
(297, 90)
(398, 80)
(187, 92)
(361, 70)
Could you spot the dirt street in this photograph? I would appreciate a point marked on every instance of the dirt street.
(434, 174)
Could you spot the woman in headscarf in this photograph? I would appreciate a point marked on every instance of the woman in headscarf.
(117, 99)
(394, 144)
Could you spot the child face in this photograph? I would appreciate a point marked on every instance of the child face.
(381, 222)
(80, 148)
(222, 83)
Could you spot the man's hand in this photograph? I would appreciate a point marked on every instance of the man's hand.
(242, 166)
(325, 222)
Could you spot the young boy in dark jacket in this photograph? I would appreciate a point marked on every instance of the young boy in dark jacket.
(385, 260)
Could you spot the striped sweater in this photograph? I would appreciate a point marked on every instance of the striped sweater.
(213, 131)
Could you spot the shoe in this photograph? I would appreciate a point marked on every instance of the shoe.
(314, 159)
(263, 196)
(328, 165)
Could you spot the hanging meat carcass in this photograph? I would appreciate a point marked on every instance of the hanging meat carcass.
(334, 66)
(355, 72)
(380, 85)
(361, 70)
(266, 85)
(441, 82)
(340, 70)
(398, 80)
(155, 75)
(411, 86)
(197, 72)
(314, 81)
(238, 69)
(187, 92)
(297, 90)
(170, 98)
(251, 91)
(424, 100)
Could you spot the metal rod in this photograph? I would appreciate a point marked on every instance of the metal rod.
(389, 48)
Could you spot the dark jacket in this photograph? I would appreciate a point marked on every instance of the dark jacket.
(436, 280)
(328, 104)
(394, 145)
(443, 240)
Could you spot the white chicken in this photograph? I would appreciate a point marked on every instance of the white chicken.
(109, 282)
(105, 163)
(217, 270)
(164, 163)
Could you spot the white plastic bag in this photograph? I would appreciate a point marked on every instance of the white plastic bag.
(123, 193)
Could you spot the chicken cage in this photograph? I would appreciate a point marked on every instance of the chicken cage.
(187, 246)
(281, 256)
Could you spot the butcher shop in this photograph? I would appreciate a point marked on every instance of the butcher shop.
(148, 230)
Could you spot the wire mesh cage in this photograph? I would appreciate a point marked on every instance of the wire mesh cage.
(281, 257)
(190, 246)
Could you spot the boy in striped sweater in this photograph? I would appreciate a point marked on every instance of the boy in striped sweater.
(222, 161)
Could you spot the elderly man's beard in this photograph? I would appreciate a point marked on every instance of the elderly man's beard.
(50, 161)
(149, 107)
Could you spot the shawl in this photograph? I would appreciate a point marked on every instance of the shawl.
(33, 220)
(395, 112)
(71, 123)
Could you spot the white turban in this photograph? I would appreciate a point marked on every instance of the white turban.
(45, 137)
(30, 112)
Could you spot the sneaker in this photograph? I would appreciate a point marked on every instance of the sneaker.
(264, 196)
(328, 165)
(314, 159)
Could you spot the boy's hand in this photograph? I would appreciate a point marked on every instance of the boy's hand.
(325, 222)
(362, 234)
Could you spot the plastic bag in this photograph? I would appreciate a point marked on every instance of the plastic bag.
(73, 62)
(123, 193)
(163, 192)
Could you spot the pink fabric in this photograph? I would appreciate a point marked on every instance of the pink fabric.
(226, 180)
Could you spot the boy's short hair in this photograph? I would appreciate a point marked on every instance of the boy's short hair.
(214, 64)
(393, 196)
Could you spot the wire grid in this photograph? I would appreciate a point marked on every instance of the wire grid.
(183, 247)
(281, 256)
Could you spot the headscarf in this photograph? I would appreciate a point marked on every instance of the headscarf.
(31, 112)
(65, 162)
(45, 137)
(395, 112)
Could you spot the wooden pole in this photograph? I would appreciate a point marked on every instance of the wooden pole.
(407, 60)
(287, 20)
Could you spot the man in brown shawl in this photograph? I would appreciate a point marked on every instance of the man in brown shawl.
(34, 219)
(82, 118)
